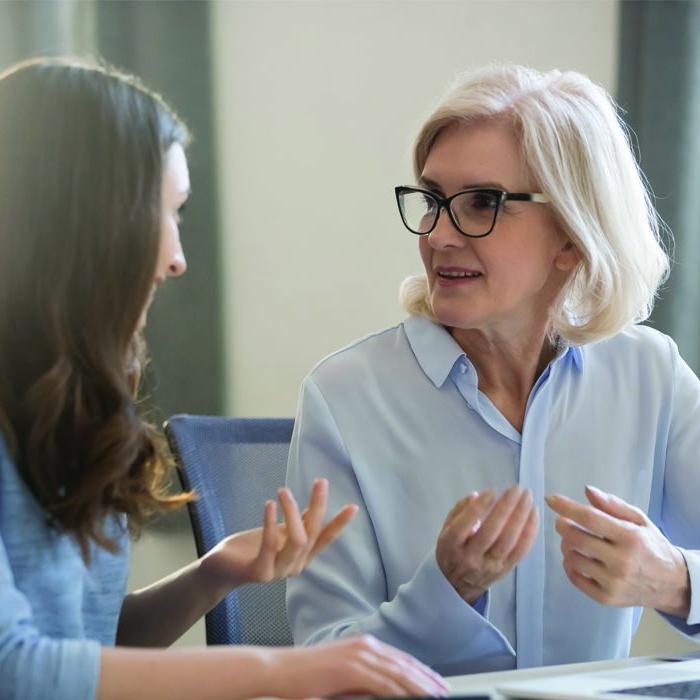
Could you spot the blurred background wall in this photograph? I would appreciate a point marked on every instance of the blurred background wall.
(304, 114)
(317, 105)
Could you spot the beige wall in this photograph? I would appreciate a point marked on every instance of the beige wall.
(318, 103)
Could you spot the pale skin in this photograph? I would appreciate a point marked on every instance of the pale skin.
(617, 556)
(501, 320)
(158, 615)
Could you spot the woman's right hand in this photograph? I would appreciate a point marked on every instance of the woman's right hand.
(354, 666)
(482, 539)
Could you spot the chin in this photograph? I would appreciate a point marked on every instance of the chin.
(452, 314)
(141, 325)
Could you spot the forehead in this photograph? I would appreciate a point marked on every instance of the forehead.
(486, 152)
(176, 176)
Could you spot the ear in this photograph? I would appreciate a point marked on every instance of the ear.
(568, 257)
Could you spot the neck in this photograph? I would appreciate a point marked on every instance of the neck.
(507, 365)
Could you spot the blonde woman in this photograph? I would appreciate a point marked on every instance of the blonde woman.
(521, 374)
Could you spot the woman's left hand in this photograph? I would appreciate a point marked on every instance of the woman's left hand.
(277, 550)
(617, 556)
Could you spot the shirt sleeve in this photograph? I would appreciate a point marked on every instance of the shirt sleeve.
(680, 515)
(36, 667)
(343, 592)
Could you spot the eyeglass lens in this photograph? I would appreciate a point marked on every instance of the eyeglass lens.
(474, 211)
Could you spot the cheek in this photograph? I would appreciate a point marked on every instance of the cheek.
(426, 254)
(165, 246)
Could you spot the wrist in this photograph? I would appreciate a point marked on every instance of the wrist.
(211, 578)
(260, 675)
(282, 666)
(677, 599)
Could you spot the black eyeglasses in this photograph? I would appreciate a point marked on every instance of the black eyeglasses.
(473, 212)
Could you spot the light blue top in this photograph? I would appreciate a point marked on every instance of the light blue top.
(55, 611)
(397, 424)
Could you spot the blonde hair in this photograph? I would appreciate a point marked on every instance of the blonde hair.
(579, 153)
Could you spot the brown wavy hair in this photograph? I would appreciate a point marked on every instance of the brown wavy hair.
(81, 159)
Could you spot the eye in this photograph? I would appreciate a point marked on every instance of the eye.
(180, 212)
(484, 200)
(428, 201)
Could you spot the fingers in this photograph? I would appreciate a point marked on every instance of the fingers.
(586, 567)
(332, 529)
(397, 667)
(305, 534)
(314, 514)
(615, 506)
(269, 540)
(512, 530)
(498, 518)
(582, 541)
(459, 506)
(288, 557)
(463, 522)
(588, 517)
(588, 586)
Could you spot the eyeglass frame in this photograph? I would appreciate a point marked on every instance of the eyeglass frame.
(445, 202)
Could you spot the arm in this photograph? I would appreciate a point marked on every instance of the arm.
(69, 668)
(344, 590)
(164, 611)
(363, 665)
(36, 667)
(680, 516)
(614, 553)
(161, 613)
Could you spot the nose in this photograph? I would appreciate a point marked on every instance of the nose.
(178, 263)
(445, 234)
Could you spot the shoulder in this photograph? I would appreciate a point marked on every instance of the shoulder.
(636, 341)
(638, 350)
(371, 354)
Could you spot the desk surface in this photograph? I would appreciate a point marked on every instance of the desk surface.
(485, 683)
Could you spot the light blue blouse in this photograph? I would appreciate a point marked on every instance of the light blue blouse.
(397, 424)
(55, 612)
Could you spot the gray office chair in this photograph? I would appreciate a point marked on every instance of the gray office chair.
(235, 465)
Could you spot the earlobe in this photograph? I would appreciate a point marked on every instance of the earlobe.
(568, 257)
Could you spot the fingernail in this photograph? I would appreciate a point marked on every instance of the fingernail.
(595, 490)
(551, 499)
(286, 492)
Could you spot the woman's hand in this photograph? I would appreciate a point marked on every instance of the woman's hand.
(617, 556)
(482, 540)
(360, 665)
(277, 550)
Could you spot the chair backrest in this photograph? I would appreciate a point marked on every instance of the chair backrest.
(234, 465)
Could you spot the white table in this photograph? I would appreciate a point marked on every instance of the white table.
(485, 683)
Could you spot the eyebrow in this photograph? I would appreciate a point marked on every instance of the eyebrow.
(431, 184)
